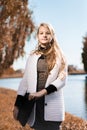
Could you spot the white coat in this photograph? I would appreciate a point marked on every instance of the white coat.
(54, 108)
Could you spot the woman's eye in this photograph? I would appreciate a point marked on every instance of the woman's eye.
(48, 33)
(41, 33)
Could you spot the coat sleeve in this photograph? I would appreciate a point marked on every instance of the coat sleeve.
(62, 76)
(22, 89)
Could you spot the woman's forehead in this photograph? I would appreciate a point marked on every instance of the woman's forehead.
(44, 28)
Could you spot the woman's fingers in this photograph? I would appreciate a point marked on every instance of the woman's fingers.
(37, 94)
(31, 97)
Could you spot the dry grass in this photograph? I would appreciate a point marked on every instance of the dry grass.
(7, 99)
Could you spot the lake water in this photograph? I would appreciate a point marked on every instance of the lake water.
(75, 93)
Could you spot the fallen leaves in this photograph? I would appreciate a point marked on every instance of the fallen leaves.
(7, 122)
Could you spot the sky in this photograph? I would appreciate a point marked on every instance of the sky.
(69, 20)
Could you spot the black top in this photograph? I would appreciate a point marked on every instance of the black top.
(42, 74)
(42, 69)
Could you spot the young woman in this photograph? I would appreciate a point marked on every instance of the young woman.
(44, 79)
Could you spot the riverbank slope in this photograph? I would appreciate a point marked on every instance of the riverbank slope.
(7, 122)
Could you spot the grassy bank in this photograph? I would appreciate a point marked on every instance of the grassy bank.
(7, 99)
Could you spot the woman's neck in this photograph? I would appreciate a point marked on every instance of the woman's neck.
(44, 47)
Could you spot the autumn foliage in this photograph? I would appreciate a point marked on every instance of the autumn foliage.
(84, 53)
(15, 25)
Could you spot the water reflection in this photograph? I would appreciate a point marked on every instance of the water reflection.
(86, 94)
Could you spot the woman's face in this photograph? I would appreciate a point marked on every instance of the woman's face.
(44, 36)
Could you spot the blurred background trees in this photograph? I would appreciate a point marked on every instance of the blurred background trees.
(15, 25)
(84, 53)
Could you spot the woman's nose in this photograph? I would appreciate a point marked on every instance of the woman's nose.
(44, 34)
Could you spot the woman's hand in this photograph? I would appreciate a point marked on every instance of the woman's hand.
(15, 112)
(37, 94)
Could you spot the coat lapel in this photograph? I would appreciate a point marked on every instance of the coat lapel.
(32, 73)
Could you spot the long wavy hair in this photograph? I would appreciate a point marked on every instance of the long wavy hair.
(53, 52)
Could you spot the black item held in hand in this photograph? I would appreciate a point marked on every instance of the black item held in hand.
(25, 109)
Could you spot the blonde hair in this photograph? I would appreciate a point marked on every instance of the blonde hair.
(54, 52)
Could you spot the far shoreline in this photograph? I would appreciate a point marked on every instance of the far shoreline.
(4, 76)
(20, 75)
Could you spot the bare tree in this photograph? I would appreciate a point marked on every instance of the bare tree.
(15, 25)
(84, 53)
